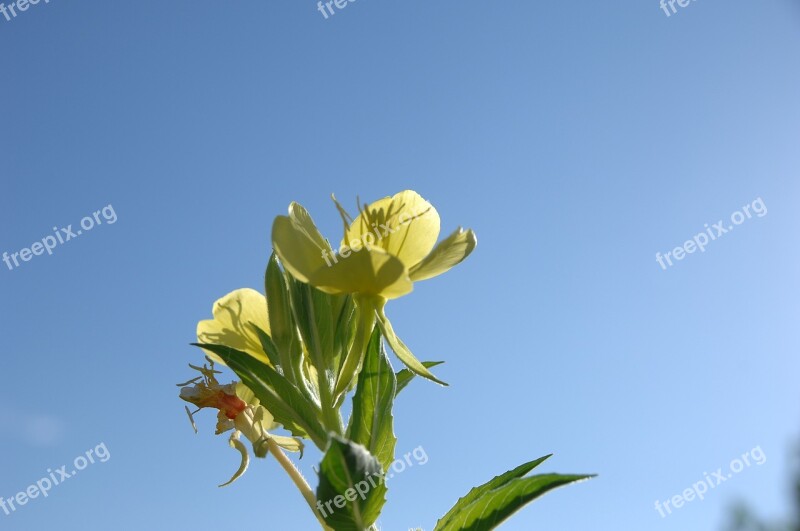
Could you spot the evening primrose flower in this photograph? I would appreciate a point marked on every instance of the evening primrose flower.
(238, 410)
(399, 236)
(237, 316)
(390, 245)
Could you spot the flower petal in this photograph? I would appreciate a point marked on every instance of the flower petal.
(234, 315)
(298, 243)
(366, 272)
(237, 445)
(405, 226)
(450, 252)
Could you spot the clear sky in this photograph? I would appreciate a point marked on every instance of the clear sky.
(578, 139)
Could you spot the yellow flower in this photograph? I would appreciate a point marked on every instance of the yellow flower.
(236, 317)
(390, 245)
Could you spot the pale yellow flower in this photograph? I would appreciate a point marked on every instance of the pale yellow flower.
(237, 316)
(390, 245)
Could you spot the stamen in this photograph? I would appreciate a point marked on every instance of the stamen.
(347, 219)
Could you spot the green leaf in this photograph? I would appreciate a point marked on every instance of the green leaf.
(496, 482)
(485, 507)
(346, 326)
(282, 398)
(269, 347)
(313, 312)
(371, 423)
(280, 317)
(405, 376)
(316, 314)
(402, 351)
(351, 490)
(364, 323)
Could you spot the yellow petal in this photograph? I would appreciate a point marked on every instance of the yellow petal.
(302, 219)
(232, 326)
(444, 256)
(298, 243)
(366, 272)
(405, 226)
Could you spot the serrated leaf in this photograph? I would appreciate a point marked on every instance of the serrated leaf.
(282, 398)
(405, 376)
(497, 481)
(486, 506)
(371, 422)
(351, 490)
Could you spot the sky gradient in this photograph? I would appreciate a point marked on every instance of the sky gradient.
(578, 139)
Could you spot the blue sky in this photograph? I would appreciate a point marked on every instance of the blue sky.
(578, 139)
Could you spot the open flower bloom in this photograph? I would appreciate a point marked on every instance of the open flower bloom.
(390, 245)
(237, 318)
(239, 410)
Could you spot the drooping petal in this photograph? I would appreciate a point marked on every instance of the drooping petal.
(366, 272)
(298, 243)
(450, 252)
(237, 445)
(232, 326)
(405, 226)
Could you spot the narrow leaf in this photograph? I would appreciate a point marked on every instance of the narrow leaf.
(405, 376)
(281, 325)
(351, 363)
(486, 506)
(269, 348)
(371, 423)
(403, 352)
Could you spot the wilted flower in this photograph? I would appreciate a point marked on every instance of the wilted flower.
(238, 410)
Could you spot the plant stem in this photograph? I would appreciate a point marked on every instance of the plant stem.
(298, 479)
